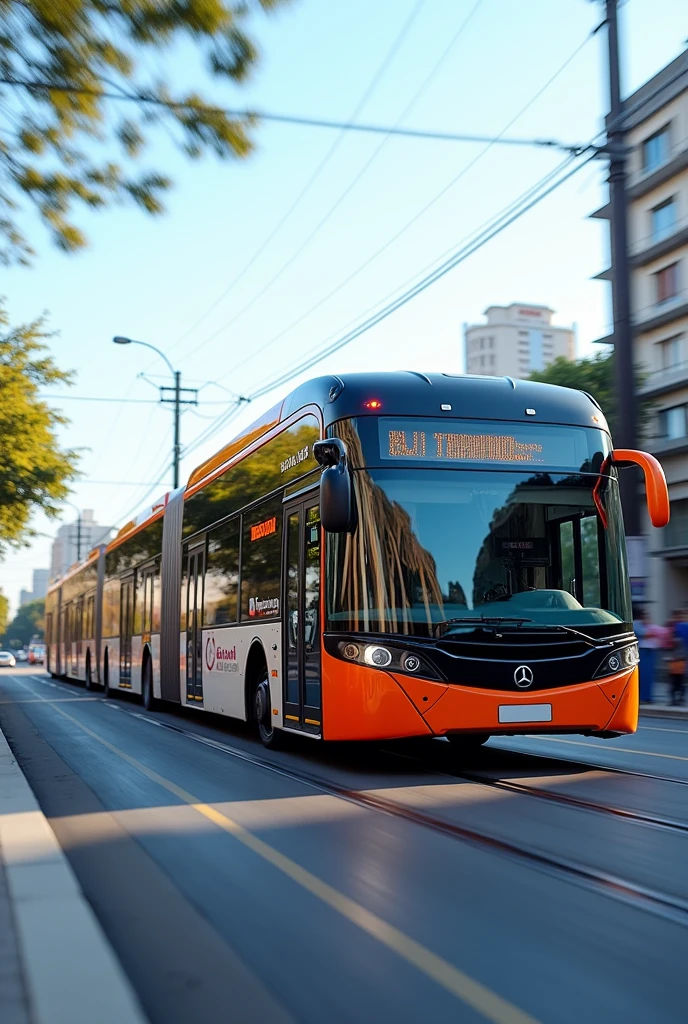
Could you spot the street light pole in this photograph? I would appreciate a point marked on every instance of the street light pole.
(177, 400)
(627, 427)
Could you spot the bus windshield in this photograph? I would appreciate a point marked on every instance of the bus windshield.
(437, 545)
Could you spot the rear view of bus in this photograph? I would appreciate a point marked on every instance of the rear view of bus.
(475, 568)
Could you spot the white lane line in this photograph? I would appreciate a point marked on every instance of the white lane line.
(659, 728)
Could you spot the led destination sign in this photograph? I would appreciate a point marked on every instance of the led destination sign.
(442, 442)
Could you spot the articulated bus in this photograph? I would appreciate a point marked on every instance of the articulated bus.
(380, 556)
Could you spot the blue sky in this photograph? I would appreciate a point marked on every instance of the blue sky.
(154, 279)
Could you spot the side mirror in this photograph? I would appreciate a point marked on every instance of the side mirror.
(336, 512)
(656, 489)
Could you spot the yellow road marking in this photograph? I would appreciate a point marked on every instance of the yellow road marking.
(603, 746)
(455, 981)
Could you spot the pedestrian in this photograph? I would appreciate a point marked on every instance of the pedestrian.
(649, 639)
(677, 668)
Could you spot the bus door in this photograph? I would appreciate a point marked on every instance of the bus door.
(302, 703)
(126, 626)
(78, 632)
(195, 568)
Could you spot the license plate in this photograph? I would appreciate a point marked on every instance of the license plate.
(525, 712)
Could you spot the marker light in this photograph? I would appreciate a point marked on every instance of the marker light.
(373, 403)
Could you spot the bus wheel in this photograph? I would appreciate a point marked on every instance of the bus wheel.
(89, 677)
(262, 712)
(106, 677)
(149, 700)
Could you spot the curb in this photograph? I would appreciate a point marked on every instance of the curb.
(71, 973)
(663, 712)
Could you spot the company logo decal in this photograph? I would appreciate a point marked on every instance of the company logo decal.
(523, 676)
(210, 653)
(220, 659)
(295, 460)
(264, 529)
(258, 606)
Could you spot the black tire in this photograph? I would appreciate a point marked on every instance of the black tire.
(149, 701)
(107, 692)
(89, 675)
(262, 713)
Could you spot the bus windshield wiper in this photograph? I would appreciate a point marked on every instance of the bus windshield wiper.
(500, 620)
(483, 620)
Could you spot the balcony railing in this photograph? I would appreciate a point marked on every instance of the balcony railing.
(675, 376)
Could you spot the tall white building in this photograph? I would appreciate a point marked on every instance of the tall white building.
(39, 589)
(65, 548)
(516, 341)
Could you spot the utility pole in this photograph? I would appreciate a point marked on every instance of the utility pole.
(178, 401)
(627, 426)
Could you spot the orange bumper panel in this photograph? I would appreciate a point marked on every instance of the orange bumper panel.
(611, 705)
(361, 703)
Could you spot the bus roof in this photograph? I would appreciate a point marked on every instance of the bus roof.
(400, 393)
(410, 393)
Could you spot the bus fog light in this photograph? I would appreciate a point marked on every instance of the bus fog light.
(411, 663)
(378, 656)
(351, 652)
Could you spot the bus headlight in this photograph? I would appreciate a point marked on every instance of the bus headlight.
(617, 661)
(378, 656)
(388, 657)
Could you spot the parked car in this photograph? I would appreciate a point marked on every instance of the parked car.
(36, 654)
(22, 655)
(7, 659)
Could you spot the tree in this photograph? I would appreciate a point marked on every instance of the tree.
(4, 611)
(34, 470)
(79, 71)
(596, 376)
(27, 625)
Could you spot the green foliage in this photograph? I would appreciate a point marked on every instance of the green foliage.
(4, 612)
(67, 70)
(27, 625)
(596, 376)
(34, 470)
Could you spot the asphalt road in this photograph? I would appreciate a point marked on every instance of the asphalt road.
(542, 880)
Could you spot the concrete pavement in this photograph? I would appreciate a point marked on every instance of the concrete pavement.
(56, 967)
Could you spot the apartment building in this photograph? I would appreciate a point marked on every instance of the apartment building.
(656, 122)
(64, 551)
(516, 341)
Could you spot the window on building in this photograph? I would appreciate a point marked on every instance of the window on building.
(523, 334)
(676, 533)
(482, 360)
(672, 423)
(482, 343)
(663, 218)
(656, 149)
(490, 342)
(666, 283)
(671, 350)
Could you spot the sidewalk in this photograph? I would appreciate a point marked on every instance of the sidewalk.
(56, 966)
(661, 706)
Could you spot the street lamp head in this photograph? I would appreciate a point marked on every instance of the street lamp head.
(119, 340)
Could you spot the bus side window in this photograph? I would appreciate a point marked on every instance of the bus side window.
(590, 556)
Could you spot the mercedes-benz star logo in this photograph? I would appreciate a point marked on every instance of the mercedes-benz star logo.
(523, 676)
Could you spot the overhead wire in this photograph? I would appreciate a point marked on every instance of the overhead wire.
(521, 206)
(368, 92)
(420, 213)
(349, 188)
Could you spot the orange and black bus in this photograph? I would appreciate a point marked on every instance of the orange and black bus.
(381, 555)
